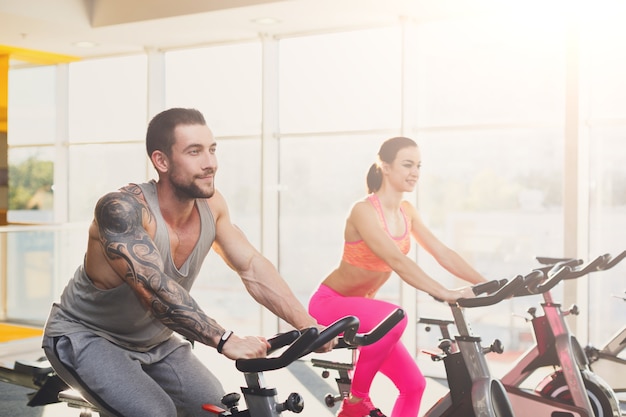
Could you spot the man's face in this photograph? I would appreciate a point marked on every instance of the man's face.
(193, 162)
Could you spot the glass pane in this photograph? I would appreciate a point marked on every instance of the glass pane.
(99, 169)
(218, 289)
(318, 188)
(497, 204)
(31, 185)
(32, 106)
(342, 81)
(607, 224)
(223, 82)
(108, 99)
(484, 71)
(40, 261)
(605, 34)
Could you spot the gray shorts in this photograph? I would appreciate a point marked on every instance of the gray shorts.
(167, 381)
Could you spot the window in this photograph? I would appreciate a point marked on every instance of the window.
(342, 81)
(224, 83)
(108, 100)
(607, 145)
(32, 118)
(107, 128)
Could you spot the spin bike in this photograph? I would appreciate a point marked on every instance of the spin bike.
(572, 390)
(607, 361)
(261, 399)
(473, 391)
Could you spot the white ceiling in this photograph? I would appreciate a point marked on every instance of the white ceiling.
(131, 26)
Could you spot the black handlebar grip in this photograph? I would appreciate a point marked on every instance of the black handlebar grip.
(348, 325)
(568, 273)
(488, 287)
(547, 260)
(282, 339)
(612, 262)
(552, 280)
(593, 266)
(377, 332)
(531, 282)
(507, 290)
(293, 352)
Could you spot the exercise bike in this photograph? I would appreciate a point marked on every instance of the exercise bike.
(261, 399)
(571, 390)
(473, 392)
(607, 361)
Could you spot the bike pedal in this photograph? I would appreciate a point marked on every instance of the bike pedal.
(213, 409)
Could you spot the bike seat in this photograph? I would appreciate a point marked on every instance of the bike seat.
(34, 368)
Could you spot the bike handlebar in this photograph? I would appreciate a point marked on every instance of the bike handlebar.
(531, 282)
(505, 291)
(292, 353)
(374, 335)
(566, 272)
(281, 340)
(612, 262)
(488, 287)
(348, 325)
(483, 287)
(308, 340)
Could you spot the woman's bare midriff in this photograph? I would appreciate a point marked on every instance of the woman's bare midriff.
(351, 281)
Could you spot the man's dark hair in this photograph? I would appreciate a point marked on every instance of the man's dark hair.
(160, 134)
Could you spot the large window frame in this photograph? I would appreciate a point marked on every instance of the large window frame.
(575, 150)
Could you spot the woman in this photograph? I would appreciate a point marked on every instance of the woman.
(377, 239)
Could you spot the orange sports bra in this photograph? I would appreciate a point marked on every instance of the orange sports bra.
(360, 255)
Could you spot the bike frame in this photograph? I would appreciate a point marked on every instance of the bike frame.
(473, 391)
(555, 346)
(607, 363)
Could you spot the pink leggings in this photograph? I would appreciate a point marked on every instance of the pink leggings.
(388, 355)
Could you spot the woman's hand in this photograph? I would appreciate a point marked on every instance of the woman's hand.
(463, 292)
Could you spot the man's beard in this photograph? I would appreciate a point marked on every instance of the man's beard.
(191, 190)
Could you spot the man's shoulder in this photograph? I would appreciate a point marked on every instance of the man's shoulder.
(130, 195)
(134, 188)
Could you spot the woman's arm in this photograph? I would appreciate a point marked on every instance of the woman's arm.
(446, 257)
(364, 220)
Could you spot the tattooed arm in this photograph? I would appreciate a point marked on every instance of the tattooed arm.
(121, 219)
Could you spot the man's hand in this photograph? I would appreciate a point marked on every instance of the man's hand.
(328, 346)
(246, 347)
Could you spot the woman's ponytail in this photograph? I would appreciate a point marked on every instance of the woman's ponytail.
(374, 179)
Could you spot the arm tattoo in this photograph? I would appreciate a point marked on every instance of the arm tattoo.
(119, 218)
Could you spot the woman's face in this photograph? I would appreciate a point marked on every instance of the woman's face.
(402, 174)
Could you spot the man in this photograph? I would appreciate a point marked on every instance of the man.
(112, 333)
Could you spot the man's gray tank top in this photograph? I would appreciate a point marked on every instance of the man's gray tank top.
(117, 314)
